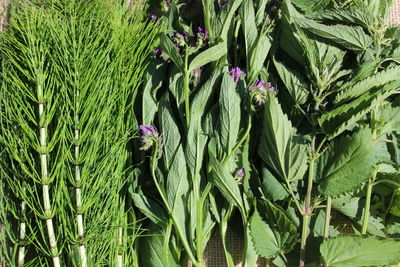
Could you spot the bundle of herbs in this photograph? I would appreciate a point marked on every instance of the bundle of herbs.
(70, 74)
(272, 118)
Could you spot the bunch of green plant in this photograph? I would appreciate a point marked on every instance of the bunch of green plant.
(71, 70)
(327, 138)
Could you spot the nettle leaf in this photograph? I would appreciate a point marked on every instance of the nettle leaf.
(350, 37)
(229, 119)
(336, 121)
(150, 208)
(280, 148)
(274, 235)
(271, 187)
(360, 251)
(377, 80)
(224, 180)
(294, 82)
(387, 118)
(172, 51)
(209, 55)
(352, 208)
(346, 164)
(356, 16)
(310, 6)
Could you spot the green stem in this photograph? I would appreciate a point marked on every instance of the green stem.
(304, 233)
(166, 243)
(207, 17)
(367, 205)
(327, 216)
(165, 201)
(199, 224)
(307, 208)
(223, 230)
(186, 89)
(387, 182)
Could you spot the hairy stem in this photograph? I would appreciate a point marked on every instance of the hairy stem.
(45, 186)
(327, 216)
(307, 208)
(366, 210)
(186, 89)
(166, 243)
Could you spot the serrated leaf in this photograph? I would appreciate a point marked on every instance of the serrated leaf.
(277, 234)
(229, 119)
(386, 119)
(350, 37)
(346, 164)
(360, 251)
(271, 187)
(150, 208)
(209, 55)
(280, 148)
(356, 16)
(294, 82)
(336, 121)
(377, 80)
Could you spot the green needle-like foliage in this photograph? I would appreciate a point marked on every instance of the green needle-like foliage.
(71, 73)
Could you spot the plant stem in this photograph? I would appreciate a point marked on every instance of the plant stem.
(186, 89)
(120, 256)
(166, 243)
(199, 224)
(22, 236)
(327, 216)
(307, 207)
(78, 193)
(223, 229)
(367, 205)
(165, 201)
(207, 17)
(45, 186)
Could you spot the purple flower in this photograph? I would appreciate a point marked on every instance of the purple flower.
(160, 54)
(258, 92)
(222, 4)
(148, 136)
(157, 52)
(236, 73)
(239, 175)
(271, 88)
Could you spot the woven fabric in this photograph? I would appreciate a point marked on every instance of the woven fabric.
(394, 13)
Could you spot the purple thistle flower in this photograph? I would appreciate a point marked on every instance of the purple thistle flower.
(236, 73)
(148, 136)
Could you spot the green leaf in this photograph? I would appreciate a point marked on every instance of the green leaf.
(172, 51)
(336, 121)
(154, 77)
(386, 119)
(151, 250)
(346, 164)
(229, 119)
(250, 31)
(150, 208)
(271, 187)
(259, 53)
(360, 251)
(280, 148)
(224, 180)
(209, 55)
(233, 6)
(277, 234)
(294, 82)
(356, 16)
(350, 37)
(170, 131)
(377, 80)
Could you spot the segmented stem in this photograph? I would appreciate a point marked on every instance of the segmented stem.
(22, 236)
(45, 189)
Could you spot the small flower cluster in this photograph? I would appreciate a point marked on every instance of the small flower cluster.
(149, 136)
(258, 92)
(160, 54)
(239, 175)
(236, 74)
(196, 40)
